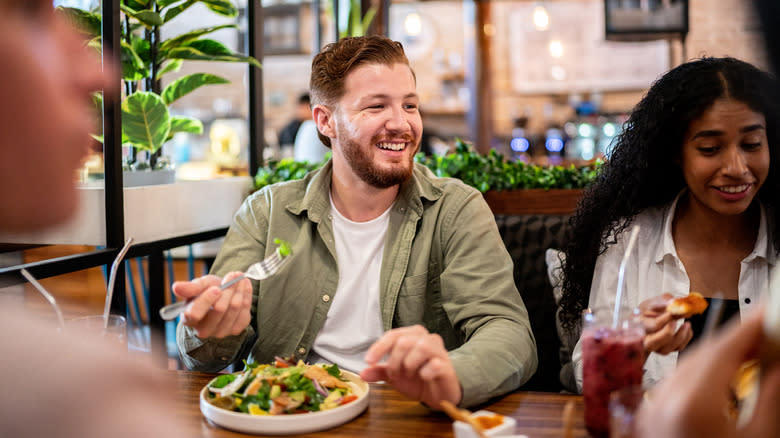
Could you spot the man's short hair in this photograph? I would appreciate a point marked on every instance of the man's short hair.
(334, 62)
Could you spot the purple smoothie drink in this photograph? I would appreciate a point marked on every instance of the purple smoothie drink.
(612, 358)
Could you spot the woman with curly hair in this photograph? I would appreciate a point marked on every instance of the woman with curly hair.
(692, 168)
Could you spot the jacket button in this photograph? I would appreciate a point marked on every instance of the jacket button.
(326, 298)
(301, 350)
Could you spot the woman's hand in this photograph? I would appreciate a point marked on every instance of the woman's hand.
(662, 334)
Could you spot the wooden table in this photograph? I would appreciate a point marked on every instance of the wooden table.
(390, 414)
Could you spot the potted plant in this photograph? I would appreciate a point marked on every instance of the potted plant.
(355, 24)
(509, 187)
(146, 120)
(515, 187)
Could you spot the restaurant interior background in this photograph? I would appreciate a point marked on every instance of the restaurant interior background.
(553, 89)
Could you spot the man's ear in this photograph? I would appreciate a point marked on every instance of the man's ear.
(323, 117)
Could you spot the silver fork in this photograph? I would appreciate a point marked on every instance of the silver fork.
(257, 271)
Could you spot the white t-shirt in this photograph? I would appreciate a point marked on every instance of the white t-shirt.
(654, 268)
(354, 320)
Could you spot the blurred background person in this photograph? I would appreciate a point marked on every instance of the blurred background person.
(308, 146)
(302, 113)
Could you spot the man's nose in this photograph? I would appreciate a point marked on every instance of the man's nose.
(397, 120)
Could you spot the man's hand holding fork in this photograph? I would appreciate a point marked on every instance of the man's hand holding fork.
(215, 312)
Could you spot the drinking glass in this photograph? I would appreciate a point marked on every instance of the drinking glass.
(613, 358)
(623, 405)
(94, 327)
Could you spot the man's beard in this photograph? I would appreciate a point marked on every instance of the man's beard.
(361, 163)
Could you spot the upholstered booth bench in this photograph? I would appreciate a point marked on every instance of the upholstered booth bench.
(530, 222)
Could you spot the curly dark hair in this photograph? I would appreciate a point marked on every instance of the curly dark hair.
(641, 169)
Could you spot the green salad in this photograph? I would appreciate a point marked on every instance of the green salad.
(282, 388)
(284, 247)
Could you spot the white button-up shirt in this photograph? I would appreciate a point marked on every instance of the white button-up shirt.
(654, 268)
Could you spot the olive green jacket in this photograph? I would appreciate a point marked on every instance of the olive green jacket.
(444, 267)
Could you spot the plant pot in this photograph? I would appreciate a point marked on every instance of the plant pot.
(534, 201)
(136, 178)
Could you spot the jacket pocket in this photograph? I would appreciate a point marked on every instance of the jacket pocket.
(410, 306)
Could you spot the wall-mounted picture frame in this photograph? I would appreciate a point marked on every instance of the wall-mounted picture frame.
(624, 17)
(282, 30)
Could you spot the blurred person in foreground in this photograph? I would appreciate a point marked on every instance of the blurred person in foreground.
(302, 113)
(695, 400)
(388, 260)
(55, 385)
(696, 168)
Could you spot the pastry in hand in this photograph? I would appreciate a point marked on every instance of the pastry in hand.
(687, 306)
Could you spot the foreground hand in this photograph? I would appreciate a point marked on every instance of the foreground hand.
(214, 312)
(693, 401)
(417, 366)
(661, 333)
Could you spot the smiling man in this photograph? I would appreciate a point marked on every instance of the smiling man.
(395, 273)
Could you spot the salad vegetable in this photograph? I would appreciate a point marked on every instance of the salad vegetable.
(284, 247)
(282, 388)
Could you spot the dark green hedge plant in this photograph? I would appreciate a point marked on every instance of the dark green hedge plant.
(483, 172)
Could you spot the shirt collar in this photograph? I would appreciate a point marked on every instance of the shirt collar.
(316, 201)
(763, 247)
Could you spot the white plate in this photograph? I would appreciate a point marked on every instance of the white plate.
(288, 424)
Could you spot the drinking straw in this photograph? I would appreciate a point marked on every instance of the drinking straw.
(112, 279)
(621, 275)
(772, 316)
(49, 297)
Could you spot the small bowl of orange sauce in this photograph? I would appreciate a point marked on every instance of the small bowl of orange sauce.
(493, 425)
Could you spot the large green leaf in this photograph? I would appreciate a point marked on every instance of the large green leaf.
(97, 100)
(222, 7)
(87, 21)
(170, 66)
(148, 17)
(145, 120)
(136, 5)
(133, 67)
(210, 47)
(95, 44)
(185, 124)
(178, 9)
(187, 84)
(210, 50)
(142, 48)
(184, 38)
(166, 3)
